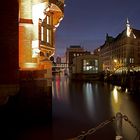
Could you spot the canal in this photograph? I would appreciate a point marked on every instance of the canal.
(79, 106)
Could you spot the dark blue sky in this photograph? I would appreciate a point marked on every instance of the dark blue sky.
(86, 22)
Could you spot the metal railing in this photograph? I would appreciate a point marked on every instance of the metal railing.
(118, 122)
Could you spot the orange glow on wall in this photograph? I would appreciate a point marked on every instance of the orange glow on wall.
(21, 52)
(36, 47)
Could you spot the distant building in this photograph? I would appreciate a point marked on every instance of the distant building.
(58, 60)
(72, 52)
(86, 64)
(97, 51)
(60, 65)
(122, 51)
(63, 59)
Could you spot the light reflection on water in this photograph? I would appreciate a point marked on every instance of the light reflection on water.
(60, 88)
(115, 100)
(92, 102)
(89, 99)
(115, 94)
(124, 103)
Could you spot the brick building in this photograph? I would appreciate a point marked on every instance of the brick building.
(122, 51)
(38, 20)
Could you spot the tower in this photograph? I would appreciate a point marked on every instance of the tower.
(128, 29)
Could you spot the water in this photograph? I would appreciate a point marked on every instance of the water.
(76, 106)
(79, 106)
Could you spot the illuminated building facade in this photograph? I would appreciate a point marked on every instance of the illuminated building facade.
(122, 51)
(87, 64)
(38, 20)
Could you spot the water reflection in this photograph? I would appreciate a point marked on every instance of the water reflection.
(60, 88)
(115, 100)
(115, 94)
(82, 104)
(89, 99)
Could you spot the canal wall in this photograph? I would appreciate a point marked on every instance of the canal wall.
(85, 76)
(131, 81)
(30, 108)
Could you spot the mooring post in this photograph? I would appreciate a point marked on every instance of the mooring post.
(84, 138)
(119, 126)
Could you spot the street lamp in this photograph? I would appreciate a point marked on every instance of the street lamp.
(115, 61)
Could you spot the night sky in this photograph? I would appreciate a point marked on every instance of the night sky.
(86, 22)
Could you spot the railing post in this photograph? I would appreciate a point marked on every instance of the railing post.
(119, 126)
(84, 138)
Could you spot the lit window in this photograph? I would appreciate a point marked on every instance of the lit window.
(90, 67)
(48, 20)
(84, 62)
(96, 62)
(125, 61)
(131, 60)
(48, 37)
(42, 32)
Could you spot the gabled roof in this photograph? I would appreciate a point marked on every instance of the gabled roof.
(123, 34)
(128, 32)
(136, 32)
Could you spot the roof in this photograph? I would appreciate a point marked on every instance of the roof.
(127, 32)
(123, 34)
(75, 46)
(136, 32)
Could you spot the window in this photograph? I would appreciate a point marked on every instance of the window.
(48, 20)
(96, 63)
(90, 66)
(125, 61)
(42, 32)
(131, 60)
(48, 37)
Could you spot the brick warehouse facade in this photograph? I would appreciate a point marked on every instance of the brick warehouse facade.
(27, 42)
(38, 20)
(123, 51)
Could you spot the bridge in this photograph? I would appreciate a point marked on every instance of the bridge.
(62, 67)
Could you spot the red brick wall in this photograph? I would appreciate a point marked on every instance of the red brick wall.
(9, 42)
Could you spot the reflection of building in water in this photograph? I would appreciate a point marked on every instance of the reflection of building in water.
(38, 20)
(60, 88)
(89, 99)
(122, 51)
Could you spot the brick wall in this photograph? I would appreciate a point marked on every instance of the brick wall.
(8, 42)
